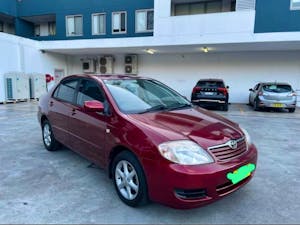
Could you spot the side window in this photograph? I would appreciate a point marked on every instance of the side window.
(89, 90)
(256, 87)
(66, 90)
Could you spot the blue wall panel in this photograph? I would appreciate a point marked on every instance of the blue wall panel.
(8, 7)
(276, 16)
(62, 8)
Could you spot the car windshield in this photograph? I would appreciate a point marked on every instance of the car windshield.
(277, 88)
(142, 96)
(210, 83)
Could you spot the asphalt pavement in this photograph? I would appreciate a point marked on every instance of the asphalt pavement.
(37, 186)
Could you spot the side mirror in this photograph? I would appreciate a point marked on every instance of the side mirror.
(250, 89)
(93, 106)
(227, 87)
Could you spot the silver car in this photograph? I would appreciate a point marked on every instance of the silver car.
(273, 95)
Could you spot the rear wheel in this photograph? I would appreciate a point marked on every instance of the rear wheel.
(50, 143)
(129, 179)
(292, 110)
(255, 105)
(225, 107)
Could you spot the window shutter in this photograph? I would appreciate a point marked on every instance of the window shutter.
(245, 5)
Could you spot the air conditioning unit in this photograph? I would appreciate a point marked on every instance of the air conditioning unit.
(131, 64)
(16, 86)
(106, 65)
(88, 66)
(37, 85)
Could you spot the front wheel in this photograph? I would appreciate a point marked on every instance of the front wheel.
(50, 143)
(129, 179)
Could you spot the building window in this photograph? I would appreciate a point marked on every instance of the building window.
(144, 20)
(37, 30)
(1, 26)
(51, 28)
(98, 23)
(295, 4)
(74, 25)
(202, 7)
(119, 22)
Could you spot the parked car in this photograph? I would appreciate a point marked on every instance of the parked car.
(211, 92)
(153, 143)
(273, 95)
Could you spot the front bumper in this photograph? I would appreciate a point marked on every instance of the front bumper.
(180, 186)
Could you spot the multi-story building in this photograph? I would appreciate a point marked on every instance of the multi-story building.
(175, 41)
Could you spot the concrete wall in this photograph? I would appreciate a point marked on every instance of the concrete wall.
(203, 24)
(22, 55)
(240, 71)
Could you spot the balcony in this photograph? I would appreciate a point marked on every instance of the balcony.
(41, 25)
(196, 18)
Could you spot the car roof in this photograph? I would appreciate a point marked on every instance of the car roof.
(107, 76)
(211, 79)
(271, 83)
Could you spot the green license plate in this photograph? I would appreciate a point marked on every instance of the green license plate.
(241, 173)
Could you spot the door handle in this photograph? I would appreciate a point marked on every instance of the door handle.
(73, 112)
(51, 103)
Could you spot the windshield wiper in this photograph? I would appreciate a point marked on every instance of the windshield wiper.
(154, 108)
(179, 106)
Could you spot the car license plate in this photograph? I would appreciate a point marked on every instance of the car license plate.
(241, 173)
(277, 105)
(209, 93)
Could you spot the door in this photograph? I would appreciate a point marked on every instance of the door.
(58, 75)
(60, 106)
(88, 129)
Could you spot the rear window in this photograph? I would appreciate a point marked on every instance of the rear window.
(209, 83)
(277, 88)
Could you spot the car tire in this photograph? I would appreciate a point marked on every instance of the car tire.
(292, 110)
(255, 106)
(129, 179)
(225, 107)
(50, 143)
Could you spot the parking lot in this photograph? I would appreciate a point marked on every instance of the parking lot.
(37, 186)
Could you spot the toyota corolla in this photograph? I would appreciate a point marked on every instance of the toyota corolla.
(152, 142)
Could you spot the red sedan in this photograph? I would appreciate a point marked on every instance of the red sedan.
(153, 143)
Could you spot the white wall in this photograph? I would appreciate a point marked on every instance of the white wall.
(240, 71)
(198, 25)
(22, 55)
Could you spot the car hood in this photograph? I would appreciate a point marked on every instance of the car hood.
(204, 127)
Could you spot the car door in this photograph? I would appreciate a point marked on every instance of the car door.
(88, 129)
(60, 105)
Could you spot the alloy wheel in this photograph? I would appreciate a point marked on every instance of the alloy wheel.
(47, 134)
(127, 180)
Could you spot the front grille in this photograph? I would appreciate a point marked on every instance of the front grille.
(225, 152)
(191, 194)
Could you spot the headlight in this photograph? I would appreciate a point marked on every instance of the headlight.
(247, 136)
(184, 152)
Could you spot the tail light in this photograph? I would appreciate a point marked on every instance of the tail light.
(223, 90)
(260, 93)
(293, 94)
(196, 89)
